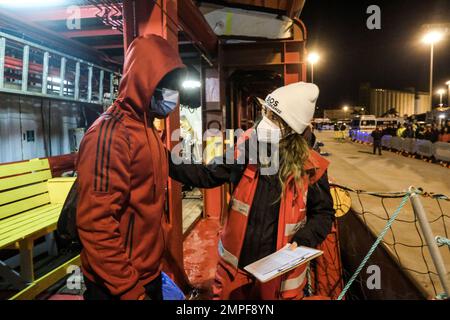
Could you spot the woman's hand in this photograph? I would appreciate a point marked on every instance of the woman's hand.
(293, 246)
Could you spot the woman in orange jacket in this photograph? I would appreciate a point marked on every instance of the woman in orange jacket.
(276, 202)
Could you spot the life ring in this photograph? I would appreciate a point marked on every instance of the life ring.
(342, 202)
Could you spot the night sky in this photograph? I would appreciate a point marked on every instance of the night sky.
(392, 58)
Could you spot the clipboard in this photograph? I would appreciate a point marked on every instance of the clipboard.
(280, 262)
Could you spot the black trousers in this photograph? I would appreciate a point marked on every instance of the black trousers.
(377, 145)
(95, 291)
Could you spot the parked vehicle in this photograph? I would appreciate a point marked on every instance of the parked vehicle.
(385, 122)
(323, 124)
(365, 123)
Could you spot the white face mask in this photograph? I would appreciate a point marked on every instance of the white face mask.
(268, 131)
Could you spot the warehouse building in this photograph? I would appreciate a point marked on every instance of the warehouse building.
(379, 101)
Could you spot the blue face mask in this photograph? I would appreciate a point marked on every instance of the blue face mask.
(164, 103)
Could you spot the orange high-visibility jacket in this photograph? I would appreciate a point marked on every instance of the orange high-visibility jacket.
(292, 217)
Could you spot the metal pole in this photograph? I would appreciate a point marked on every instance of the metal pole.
(90, 72)
(100, 87)
(2, 62)
(312, 72)
(62, 75)
(430, 240)
(76, 92)
(25, 63)
(111, 87)
(448, 92)
(431, 75)
(45, 72)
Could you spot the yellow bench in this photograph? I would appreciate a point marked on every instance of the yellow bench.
(30, 205)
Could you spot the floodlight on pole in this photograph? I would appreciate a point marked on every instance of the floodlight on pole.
(431, 38)
(313, 58)
(448, 93)
(440, 92)
(345, 108)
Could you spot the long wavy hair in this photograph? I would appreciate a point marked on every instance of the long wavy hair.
(294, 152)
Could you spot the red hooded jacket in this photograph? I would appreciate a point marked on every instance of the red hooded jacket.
(122, 175)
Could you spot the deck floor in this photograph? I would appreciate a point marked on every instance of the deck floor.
(192, 208)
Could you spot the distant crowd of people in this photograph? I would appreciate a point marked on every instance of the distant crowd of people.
(340, 127)
(431, 132)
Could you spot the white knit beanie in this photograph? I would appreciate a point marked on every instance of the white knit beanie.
(295, 104)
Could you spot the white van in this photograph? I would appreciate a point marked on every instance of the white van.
(323, 124)
(364, 123)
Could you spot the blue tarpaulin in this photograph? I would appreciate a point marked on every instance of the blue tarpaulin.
(170, 289)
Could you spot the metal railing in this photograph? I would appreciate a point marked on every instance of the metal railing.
(31, 69)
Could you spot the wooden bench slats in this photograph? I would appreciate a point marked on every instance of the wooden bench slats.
(22, 193)
(17, 232)
(24, 205)
(47, 222)
(46, 281)
(25, 218)
(37, 223)
(30, 206)
(17, 181)
(23, 167)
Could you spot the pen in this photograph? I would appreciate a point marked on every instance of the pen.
(290, 264)
(287, 265)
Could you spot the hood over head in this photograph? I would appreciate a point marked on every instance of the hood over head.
(147, 61)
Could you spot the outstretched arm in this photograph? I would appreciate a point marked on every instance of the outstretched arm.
(206, 176)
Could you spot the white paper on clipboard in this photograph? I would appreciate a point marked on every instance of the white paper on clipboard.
(281, 262)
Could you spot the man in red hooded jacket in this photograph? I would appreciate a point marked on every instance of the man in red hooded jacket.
(122, 176)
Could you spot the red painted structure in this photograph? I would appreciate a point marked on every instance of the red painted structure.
(167, 18)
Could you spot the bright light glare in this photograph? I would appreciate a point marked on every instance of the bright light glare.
(191, 84)
(433, 37)
(313, 58)
(345, 108)
(440, 91)
(31, 3)
(55, 80)
(442, 116)
(448, 83)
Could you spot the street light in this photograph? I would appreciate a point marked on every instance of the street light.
(313, 58)
(432, 38)
(440, 92)
(345, 108)
(448, 93)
